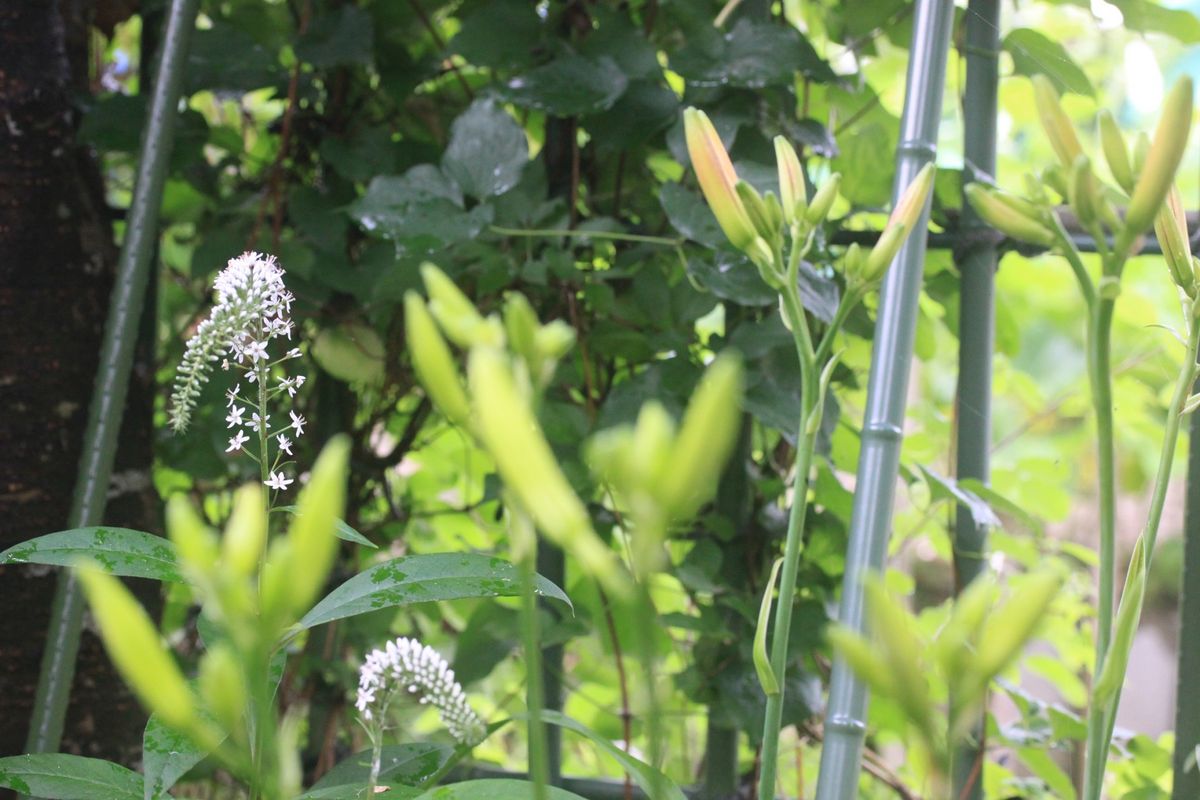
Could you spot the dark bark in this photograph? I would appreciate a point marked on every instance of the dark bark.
(56, 271)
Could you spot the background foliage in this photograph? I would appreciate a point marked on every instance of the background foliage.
(357, 140)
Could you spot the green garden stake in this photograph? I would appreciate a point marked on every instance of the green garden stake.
(976, 337)
(112, 377)
(845, 718)
(1186, 783)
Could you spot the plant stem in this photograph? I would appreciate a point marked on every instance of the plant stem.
(525, 545)
(1099, 357)
(805, 441)
(1102, 720)
(614, 236)
(646, 619)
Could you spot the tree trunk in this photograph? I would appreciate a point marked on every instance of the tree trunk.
(56, 271)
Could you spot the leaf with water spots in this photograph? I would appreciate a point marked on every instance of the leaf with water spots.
(494, 789)
(166, 757)
(57, 776)
(118, 551)
(424, 579)
(400, 764)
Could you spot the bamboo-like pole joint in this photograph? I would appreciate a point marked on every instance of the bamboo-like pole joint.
(879, 460)
(112, 376)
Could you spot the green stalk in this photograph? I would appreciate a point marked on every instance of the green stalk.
(805, 441)
(1100, 366)
(646, 619)
(1186, 783)
(525, 542)
(1102, 720)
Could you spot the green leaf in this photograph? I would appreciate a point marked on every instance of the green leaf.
(166, 757)
(487, 150)
(424, 579)
(502, 34)
(351, 352)
(342, 37)
(227, 58)
(941, 488)
(646, 776)
(406, 764)
(341, 529)
(569, 86)
(753, 55)
(419, 210)
(762, 660)
(1040, 763)
(57, 776)
(494, 789)
(1148, 16)
(118, 551)
(1033, 53)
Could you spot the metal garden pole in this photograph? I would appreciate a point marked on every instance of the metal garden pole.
(977, 265)
(879, 462)
(112, 377)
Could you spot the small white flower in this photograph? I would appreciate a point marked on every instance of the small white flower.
(232, 395)
(298, 423)
(252, 376)
(239, 439)
(234, 418)
(284, 444)
(256, 351)
(300, 379)
(254, 422)
(294, 352)
(278, 481)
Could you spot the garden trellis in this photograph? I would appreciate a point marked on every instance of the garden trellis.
(885, 405)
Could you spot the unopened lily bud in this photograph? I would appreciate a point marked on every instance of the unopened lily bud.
(854, 264)
(706, 438)
(311, 536)
(1170, 226)
(433, 361)
(222, 686)
(902, 650)
(774, 211)
(823, 200)
(1116, 151)
(1081, 191)
(1056, 178)
(651, 445)
(994, 208)
(862, 659)
(1108, 683)
(554, 340)
(1055, 121)
(955, 642)
(756, 209)
(1009, 627)
(881, 255)
(717, 178)
(195, 542)
(508, 429)
(456, 314)
(792, 192)
(244, 542)
(137, 650)
(274, 581)
(1141, 151)
(1158, 173)
(904, 218)
(521, 324)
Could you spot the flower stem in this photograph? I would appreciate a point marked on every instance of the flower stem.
(614, 236)
(525, 544)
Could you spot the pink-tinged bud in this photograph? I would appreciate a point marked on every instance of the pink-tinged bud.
(1170, 226)
(912, 201)
(717, 178)
(791, 181)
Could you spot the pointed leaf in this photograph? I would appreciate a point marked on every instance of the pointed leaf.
(494, 789)
(166, 757)
(405, 764)
(118, 551)
(57, 776)
(423, 579)
(341, 529)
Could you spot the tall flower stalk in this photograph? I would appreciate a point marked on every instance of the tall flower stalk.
(777, 234)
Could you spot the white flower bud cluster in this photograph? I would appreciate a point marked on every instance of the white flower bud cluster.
(406, 667)
(252, 308)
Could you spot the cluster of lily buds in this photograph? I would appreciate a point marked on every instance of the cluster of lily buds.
(756, 223)
(1144, 177)
(665, 475)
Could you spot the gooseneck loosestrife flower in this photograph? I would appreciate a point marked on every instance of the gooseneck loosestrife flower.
(406, 668)
(253, 308)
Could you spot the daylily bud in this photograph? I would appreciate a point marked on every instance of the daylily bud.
(756, 209)
(311, 536)
(706, 438)
(1055, 121)
(902, 649)
(554, 339)
(862, 659)
(137, 650)
(508, 429)
(903, 219)
(651, 445)
(223, 687)
(1116, 152)
(774, 211)
(521, 324)
(1081, 191)
(456, 314)
(1055, 177)
(717, 178)
(1141, 151)
(1170, 226)
(1170, 139)
(244, 542)
(1108, 682)
(433, 362)
(792, 192)
(1008, 628)
(822, 201)
(997, 210)
(195, 541)
(854, 264)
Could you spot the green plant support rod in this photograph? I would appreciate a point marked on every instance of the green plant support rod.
(112, 377)
(976, 336)
(879, 461)
(1186, 784)
(552, 565)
